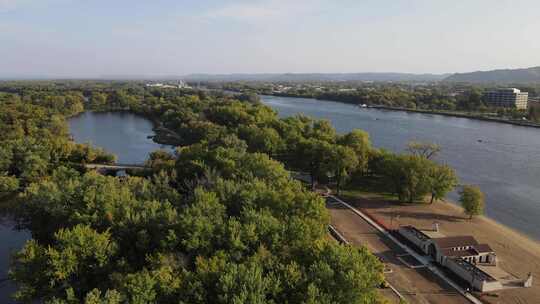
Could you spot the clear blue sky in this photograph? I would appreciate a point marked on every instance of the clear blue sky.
(89, 38)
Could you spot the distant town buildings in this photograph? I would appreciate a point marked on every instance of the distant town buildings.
(507, 98)
(181, 85)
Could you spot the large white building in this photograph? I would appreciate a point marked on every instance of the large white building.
(459, 254)
(507, 98)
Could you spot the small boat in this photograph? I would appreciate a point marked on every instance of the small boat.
(480, 140)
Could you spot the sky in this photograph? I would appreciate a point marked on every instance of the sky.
(99, 38)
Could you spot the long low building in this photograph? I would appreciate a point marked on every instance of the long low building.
(468, 272)
(460, 254)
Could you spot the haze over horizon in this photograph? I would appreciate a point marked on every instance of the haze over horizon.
(86, 39)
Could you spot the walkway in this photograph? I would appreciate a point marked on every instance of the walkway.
(426, 284)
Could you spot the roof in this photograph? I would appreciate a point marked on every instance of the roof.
(475, 271)
(459, 253)
(455, 241)
(419, 234)
(483, 248)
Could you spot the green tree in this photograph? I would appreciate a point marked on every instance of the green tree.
(265, 140)
(407, 176)
(6, 156)
(161, 160)
(227, 224)
(313, 156)
(78, 261)
(8, 185)
(472, 200)
(110, 297)
(358, 140)
(422, 149)
(442, 179)
(343, 161)
(98, 101)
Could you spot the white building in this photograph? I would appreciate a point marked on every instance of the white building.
(507, 98)
(460, 254)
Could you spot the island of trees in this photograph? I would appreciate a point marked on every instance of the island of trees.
(219, 221)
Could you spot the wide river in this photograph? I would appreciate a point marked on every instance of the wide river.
(504, 160)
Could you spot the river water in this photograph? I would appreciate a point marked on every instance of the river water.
(124, 134)
(11, 241)
(504, 160)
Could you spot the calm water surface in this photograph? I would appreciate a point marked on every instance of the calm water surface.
(121, 133)
(10, 242)
(506, 164)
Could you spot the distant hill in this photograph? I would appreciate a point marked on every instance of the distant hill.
(292, 77)
(528, 75)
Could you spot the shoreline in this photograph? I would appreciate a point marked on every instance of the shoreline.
(161, 134)
(441, 113)
(484, 218)
(468, 116)
(518, 254)
(164, 136)
(519, 234)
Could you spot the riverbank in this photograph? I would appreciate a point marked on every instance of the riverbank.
(475, 116)
(461, 115)
(517, 254)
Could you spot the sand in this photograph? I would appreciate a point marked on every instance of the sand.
(517, 254)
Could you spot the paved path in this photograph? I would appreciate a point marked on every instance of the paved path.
(424, 285)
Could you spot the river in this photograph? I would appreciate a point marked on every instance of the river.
(504, 160)
(122, 133)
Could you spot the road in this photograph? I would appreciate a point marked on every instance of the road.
(417, 285)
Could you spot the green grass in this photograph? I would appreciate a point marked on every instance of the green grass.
(370, 188)
(362, 193)
(367, 187)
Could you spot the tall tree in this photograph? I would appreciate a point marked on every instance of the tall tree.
(358, 140)
(406, 175)
(343, 161)
(313, 155)
(442, 179)
(472, 200)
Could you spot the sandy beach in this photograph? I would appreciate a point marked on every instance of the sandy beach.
(517, 254)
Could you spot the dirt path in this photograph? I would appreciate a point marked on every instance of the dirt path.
(517, 254)
(416, 285)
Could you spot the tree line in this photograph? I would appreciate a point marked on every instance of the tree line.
(219, 221)
(464, 98)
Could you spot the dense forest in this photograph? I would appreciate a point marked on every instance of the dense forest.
(219, 221)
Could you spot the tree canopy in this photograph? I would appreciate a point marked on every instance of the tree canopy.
(218, 221)
(472, 200)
